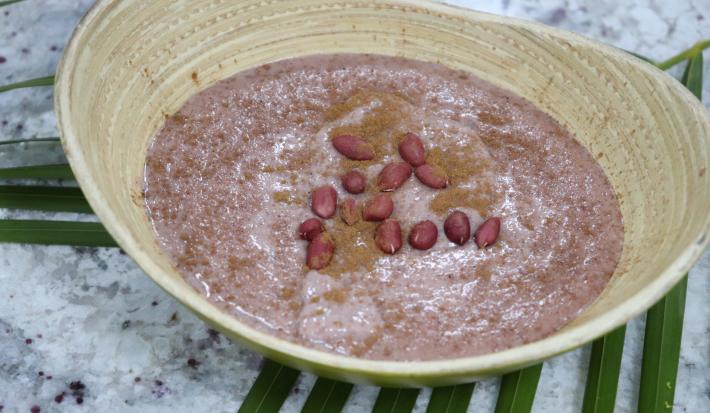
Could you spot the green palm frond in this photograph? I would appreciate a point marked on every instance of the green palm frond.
(40, 81)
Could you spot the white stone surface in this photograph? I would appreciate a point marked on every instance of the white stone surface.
(104, 323)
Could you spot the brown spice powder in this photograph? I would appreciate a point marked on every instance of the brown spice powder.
(460, 163)
(367, 344)
(454, 198)
(354, 248)
(463, 164)
(493, 118)
(337, 295)
(377, 127)
(290, 198)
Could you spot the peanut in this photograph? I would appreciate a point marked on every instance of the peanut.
(423, 235)
(348, 211)
(323, 201)
(354, 182)
(354, 147)
(388, 236)
(457, 227)
(432, 176)
(411, 149)
(310, 228)
(320, 251)
(378, 208)
(487, 233)
(393, 176)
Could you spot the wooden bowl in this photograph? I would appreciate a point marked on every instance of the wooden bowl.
(132, 62)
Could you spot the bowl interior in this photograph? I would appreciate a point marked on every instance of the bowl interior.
(132, 62)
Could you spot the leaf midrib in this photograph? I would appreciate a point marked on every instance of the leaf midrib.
(658, 396)
(55, 230)
(268, 389)
(451, 399)
(597, 391)
(396, 398)
(327, 397)
(515, 390)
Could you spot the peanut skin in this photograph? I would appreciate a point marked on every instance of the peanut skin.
(411, 149)
(423, 235)
(323, 201)
(310, 228)
(349, 212)
(487, 233)
(432, 176)
(388, 236)
(354, 182)
(354, 147)
(457, 227)
(320, 251)
(393, 176)
(378, 208)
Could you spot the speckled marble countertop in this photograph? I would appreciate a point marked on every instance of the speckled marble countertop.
(86, 323)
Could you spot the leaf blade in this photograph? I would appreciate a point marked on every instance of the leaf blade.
(689, 53)
(693, 75)
(451, 399)
(88, 234)
(640, 56)
(40, 81)
(603, 372)
(270, 389)
(664, 321)
(53, 171)
(35, 140)
(327, 396)
(661, 351)
(44, 198)
(9, 2)
(395, 400)
(517, 390)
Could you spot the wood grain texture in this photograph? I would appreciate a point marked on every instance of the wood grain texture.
(132, 62)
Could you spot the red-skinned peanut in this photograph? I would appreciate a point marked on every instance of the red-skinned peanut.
(393, 176)
(487, 233)
(378, 208)
(457, 227)
(354, 147)
(423, 235)
(310, 228)
(323, 201)
(411, 149)
(388, 236)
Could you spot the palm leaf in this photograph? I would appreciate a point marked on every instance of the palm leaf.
(517, 390)
(58, 171)
(392, 400)
(640, 56)
(664, 321)
(270, 389)
(327, 396)
(89, 234)
(450, 399)
(603, 372)
(693, 75)
(40, 81)
(661, 351)
(9, 2)
(691, 53)
(35, 140)
(44, 198)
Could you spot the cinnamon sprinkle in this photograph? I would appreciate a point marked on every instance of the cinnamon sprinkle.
(377, 126)
(355, 248)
